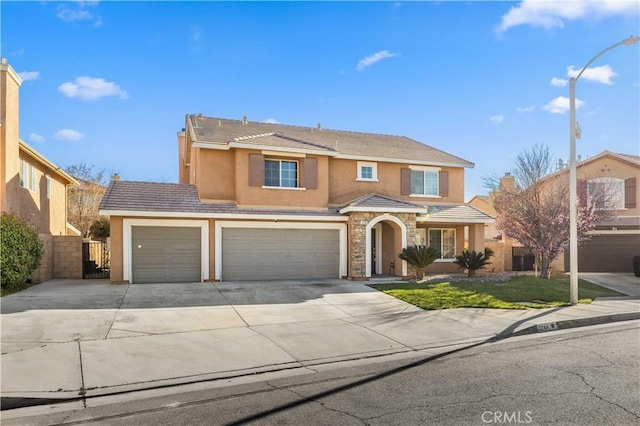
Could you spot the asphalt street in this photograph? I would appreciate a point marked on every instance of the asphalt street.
(587, 376)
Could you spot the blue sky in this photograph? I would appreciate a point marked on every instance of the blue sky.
(109, 83)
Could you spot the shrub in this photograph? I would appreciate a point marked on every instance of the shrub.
(636, 266)
(419, 257)
(21, 251)
(472, 261)
(100, 229)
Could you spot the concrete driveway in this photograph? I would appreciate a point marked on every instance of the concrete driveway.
(65, 338)
(622, 282)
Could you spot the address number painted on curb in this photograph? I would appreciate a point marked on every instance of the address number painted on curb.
(550, 326)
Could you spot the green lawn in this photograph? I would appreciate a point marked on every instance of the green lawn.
(519, 292)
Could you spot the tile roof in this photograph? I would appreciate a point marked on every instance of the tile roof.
(375, 202)
(455, 213)
(216, 131)
(620, 222)
(130, 196)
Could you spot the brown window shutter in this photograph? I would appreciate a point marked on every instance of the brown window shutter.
(582, 192)
(310, 166)
(405, 181)
(630, 193)
(256, 169)
(443, 182)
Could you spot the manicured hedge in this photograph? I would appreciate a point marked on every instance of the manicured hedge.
(20, 251)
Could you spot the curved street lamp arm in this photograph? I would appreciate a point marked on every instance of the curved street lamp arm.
(627, 41)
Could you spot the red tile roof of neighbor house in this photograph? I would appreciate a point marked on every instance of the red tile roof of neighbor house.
(347, 144)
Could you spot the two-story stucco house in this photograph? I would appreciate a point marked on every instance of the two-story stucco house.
(31, 186)
(260, 201)
(615, 240)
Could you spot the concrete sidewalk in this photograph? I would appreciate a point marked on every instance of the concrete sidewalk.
(145, 336)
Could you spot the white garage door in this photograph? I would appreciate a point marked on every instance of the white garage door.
(275, 254)
(165, 254)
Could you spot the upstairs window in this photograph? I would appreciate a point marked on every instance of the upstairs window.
(424, 182)
(281, 173)
(367, 171)
(607, 193)
(27, 176)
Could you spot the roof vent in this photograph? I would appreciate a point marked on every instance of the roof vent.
(244, 120)
(115, 176)
(319, 126)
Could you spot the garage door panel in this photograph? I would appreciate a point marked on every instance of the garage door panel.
(271, 254)
(606, 253)
(166, 254)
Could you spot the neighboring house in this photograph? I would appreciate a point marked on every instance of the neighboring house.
(259, 201)
(616, 239)
(32, 187)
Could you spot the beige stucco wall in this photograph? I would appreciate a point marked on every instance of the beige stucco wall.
(344, 186)
(612, 167)
(44, 271)
(183, 169)
(9, 137)
(445, 266)
(247, 195)
(216, 175)
(48, 215)
(116, 274)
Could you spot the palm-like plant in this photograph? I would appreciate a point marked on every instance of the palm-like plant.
(472, 261)
(419, 257)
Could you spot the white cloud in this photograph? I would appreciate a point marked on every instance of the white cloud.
(89, 88)
(79, 12)
(271, 121)
(529, 108)
(602, 74)
(560, 105)
(558, 82)
(34, 137)
(68, 135)
(497, 119)
(29, 75)
(550, 14)
(370, 60)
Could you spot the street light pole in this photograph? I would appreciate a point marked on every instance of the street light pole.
(573, 179)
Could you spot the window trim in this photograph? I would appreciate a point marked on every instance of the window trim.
(280, 161)
(424, 169)
(374, 171)
(48, 178)
(28, 176)
(620, 192)
(455, 248)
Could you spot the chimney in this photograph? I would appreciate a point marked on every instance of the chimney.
(507, 182)
(319, 126)
(115, 177)
(244, 120)
(579, 157)
(219, 123)
(199, 115)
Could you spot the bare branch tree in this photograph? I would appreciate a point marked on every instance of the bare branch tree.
(83, 200)
(535, 210)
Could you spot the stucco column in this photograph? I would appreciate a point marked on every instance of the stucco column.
(476, 237)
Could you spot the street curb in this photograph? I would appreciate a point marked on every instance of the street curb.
(573, 323)
(10, 403)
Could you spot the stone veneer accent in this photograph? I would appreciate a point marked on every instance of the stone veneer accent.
(358, 222)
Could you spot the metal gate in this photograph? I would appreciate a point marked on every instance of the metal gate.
(95, 259)
(522, 259)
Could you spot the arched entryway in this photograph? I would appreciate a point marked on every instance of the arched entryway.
(386, 236)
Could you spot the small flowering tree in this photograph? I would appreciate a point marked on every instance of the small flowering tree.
(535, 211)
